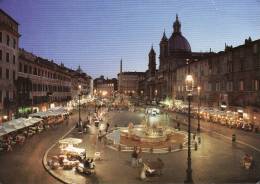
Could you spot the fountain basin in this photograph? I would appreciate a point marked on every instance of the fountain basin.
(139, 133)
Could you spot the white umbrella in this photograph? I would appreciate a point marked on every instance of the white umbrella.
(3, 131)
(33, 120)
(70, 140)
(17, 123)
(6, 129)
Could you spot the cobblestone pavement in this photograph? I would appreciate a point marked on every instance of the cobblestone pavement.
(216, 161)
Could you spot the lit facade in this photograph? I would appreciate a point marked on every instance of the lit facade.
(41, 82)
(105, 87)
(129, 82)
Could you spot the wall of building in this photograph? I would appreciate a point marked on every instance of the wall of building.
(230, 77)
(130, 82)
(41, 81)
(9, 40)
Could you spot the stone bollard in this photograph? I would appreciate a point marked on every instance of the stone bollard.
(233, 137)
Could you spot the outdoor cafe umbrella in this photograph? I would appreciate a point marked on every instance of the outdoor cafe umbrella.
(17, 123)
(6, 130)
(3, 131)
(33, 120)
(70, 140)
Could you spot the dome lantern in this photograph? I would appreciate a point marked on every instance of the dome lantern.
(177, 25)
(177, 42)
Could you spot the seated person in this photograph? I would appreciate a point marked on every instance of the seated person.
(91, 164)
(87, 163)
(247, 158)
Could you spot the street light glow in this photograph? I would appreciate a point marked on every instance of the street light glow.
(189, 83)
(199, 88)
(104, 93)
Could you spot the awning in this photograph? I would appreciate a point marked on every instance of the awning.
(17, 124)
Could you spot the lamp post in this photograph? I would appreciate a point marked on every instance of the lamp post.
(199, 89)
(189, 88)
(79, 104)
(155, 92)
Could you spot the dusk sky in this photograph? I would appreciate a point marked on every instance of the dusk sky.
(97, 34)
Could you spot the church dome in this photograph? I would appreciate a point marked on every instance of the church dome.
(177, 42)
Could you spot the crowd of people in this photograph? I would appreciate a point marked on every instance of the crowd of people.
(226, 118)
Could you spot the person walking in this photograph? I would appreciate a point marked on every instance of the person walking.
(107, 127)
(134, 157)
(99, 136)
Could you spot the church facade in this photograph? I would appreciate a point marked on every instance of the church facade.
(174, 53)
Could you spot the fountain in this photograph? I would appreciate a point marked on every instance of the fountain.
(150, 133)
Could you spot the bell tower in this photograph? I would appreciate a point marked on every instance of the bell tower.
(152, 62)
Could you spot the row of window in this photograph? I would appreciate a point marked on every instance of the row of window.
(227, 86)
(39, 72)
(7, 57)
(50, 88)
(8, 40)
(7, 74)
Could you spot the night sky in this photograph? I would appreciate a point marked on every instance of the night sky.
(97, 34)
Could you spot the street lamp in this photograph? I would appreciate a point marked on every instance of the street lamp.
(79, 87)
(155, 92)
(189, 88)
(199, 89)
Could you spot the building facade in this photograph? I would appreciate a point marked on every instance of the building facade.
(9, 40)
(29, 82)
(129, 82)
(174, 53)
(105, 87)
(81, 83)
(229, 79)
(41, 82)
